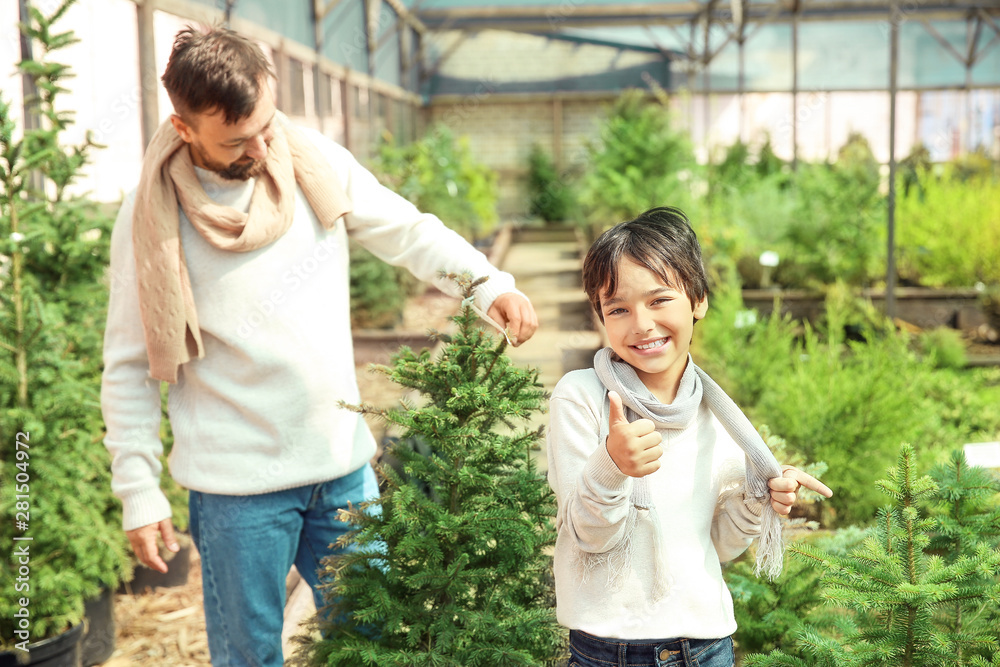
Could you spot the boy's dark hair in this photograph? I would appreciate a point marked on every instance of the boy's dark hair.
(215, 69)
(661, 239)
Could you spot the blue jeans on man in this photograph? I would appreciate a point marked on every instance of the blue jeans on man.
(247, 546)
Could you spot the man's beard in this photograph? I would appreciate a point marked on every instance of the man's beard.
(240, 170)
(243, 171)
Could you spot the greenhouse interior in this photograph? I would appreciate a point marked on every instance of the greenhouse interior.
(839, 164)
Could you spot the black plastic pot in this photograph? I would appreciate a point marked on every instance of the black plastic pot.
(59, 651)
(99, 638)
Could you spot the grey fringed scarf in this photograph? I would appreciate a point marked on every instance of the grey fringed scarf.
(695, 386)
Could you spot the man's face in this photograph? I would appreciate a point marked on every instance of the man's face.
(235, 151)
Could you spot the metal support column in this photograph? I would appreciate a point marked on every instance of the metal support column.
(149, 84)
(795, 85)
(890, 277)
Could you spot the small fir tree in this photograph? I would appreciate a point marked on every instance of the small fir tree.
(452, 565)
(55, 486)
(968, 516)
(896, 590)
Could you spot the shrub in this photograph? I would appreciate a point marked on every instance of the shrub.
(950, 236)
(378, 290)
(900, 601)
(552, 198)
(967, 513)
(943, 348)
(439, 175)
(639, 160)
(837, 227)
(451, 565)
(825, 222)
(769, 613)
(52, 310)
(845, 402)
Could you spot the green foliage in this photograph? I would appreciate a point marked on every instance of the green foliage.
(837, 228)
(944, 348)
(741, 350)
(856, 160)
(451, 565)
(967, 510)
(639, 160)
(768, 613)
(974, 166)
(845, 402)
(378, 290)
(913, 170)
(552, 198)
(825, 222)
(439, 175)
(949, 235)
(897, 592)
(52, 311)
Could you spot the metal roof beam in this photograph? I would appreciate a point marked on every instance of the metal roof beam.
(624, 46)
(542, 18)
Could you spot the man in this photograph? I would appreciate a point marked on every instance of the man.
(231, 283)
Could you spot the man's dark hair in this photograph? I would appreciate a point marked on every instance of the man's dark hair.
(661, 239)
(215, 69)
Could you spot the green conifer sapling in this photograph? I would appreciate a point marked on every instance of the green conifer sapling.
(452, 565)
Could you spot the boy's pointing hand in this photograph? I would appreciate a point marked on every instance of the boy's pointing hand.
(784, 488)
(633, 446)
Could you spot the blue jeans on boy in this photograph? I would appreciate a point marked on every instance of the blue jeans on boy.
(247, 546)
(586, 650)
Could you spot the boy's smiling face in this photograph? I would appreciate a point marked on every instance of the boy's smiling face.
(649, 325)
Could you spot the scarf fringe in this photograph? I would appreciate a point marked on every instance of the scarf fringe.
(770, 545)
(617, 561)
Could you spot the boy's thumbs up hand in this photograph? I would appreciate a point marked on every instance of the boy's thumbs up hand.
(633, 446)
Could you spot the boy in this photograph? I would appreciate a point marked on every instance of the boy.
(658, 475)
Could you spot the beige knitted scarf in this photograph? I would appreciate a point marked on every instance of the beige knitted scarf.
(166, 302)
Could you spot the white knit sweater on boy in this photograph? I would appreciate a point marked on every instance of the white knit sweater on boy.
(259, 412)
(698, 500)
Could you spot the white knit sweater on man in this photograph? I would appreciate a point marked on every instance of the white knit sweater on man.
(604, 570)
(259, 412)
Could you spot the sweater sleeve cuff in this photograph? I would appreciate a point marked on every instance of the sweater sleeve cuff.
(499, 283)
(745, 513)
(602, 470)
(754, 506)
(144, 507)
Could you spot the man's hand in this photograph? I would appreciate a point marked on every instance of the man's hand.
(783, 488)
(516, 314)
(633, 446)
(143, 541)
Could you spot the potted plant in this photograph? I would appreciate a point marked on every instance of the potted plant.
(54, 483)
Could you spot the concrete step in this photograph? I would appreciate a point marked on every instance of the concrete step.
(560, 296)
(527, 235)
(535, 266)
